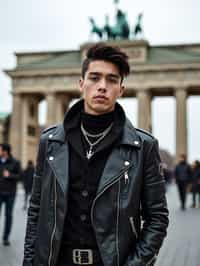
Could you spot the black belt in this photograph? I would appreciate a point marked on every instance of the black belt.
(80, 257)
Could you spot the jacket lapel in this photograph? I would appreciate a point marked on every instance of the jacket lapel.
(58, 157)
(120, 160)
(114, 168)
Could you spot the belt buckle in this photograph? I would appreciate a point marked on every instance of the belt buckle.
(82, 256)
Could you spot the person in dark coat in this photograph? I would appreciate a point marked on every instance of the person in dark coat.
(28, 181)
(9, 174)
(195, 183)
(182, 176)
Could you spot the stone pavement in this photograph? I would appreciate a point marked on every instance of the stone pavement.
(181, 247)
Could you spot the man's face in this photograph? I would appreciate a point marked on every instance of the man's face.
(101, 87)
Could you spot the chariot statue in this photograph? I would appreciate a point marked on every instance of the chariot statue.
(121, 28)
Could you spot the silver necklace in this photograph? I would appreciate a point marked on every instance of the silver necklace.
(100, 136)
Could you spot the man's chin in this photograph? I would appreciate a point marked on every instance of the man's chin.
(98, 108)
(102, 110)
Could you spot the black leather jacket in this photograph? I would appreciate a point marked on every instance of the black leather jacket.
(131, 188)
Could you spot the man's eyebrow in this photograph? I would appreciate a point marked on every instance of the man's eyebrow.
(94, 73)
(117, 76)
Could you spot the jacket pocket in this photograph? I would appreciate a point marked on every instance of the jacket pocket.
(131, 220)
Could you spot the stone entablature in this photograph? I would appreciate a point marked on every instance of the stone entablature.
(149, 81)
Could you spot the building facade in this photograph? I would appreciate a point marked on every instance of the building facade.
(155, 71)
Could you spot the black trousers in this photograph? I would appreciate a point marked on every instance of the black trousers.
(182, 186)
(8, 200)
(195, 193)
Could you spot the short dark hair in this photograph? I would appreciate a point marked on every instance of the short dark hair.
(107, 53)
(6, 147)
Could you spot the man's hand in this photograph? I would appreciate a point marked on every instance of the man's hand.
(6, 173)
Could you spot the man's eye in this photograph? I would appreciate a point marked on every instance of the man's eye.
(93, 78)
(113, 80)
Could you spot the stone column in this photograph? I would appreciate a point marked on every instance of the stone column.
(1, 132)
(67, 101)
(181, 121)
(33, 130)
(144, 110)
(51, 109)
(24, 130)
(59, 109)
(62, 104)
(15, 126)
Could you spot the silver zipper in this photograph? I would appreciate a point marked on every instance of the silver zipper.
(126, 177)
(133, 226)
(117, 230)
(54, 229)
(101, 192)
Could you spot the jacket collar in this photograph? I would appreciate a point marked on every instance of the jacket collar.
(129, 137)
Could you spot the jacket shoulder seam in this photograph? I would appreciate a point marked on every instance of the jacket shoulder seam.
(146, 133)
(49, 129)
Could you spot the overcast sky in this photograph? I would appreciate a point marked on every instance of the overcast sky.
(43, 25)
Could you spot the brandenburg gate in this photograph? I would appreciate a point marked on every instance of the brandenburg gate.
(155, 71)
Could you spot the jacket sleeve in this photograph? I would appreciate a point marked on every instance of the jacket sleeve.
(16, 173)
(154, 211)
(34, 207)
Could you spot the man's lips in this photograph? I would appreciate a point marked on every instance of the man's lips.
(100, 97)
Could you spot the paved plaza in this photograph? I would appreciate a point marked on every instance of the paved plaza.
(181, 247)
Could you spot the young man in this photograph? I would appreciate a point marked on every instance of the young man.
(9, 175)
(96, 176)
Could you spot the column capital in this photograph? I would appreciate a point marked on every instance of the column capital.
(143, 88)
(49, 93)
(144, 93)
(15, 93)
(182, 88)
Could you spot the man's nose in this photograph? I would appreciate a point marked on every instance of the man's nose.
(102, 85)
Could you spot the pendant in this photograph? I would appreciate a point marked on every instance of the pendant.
(89, 153)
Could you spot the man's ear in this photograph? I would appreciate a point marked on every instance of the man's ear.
(81, 85)
(122, 89)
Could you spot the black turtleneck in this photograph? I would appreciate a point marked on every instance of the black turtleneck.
(85, 175)
(96, 123)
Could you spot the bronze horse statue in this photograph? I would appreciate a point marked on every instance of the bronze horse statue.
(95, 29)
(121, 29)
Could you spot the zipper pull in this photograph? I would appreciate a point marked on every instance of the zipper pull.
(126, 177)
